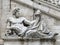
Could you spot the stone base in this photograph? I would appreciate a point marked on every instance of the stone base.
(30, 41)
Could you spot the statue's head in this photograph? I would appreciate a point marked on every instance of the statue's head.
(37, 13)
(17, 12)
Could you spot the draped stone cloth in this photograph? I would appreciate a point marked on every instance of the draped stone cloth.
(39, 29)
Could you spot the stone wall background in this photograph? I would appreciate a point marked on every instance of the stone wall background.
(6, 6)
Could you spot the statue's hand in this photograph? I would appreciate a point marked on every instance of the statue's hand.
(33, 21)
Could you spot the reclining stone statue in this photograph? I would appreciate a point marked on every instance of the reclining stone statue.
(25, 28)
(18, 24)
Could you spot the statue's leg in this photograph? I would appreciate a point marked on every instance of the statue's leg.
(51, 35)
(17, 31)
(32, 34)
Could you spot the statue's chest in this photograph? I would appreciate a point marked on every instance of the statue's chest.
(15, 21)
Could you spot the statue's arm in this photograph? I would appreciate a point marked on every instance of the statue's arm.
(29, 22)
(8, 24)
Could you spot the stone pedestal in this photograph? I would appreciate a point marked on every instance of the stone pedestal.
(24, 41)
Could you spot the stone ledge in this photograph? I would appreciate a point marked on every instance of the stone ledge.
(29, 39)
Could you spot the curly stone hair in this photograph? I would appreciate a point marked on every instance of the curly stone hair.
(15, 11)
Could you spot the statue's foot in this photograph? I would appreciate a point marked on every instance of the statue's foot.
(55, 34)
